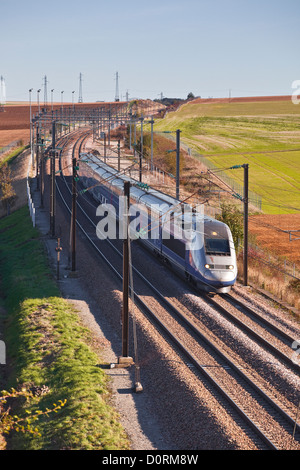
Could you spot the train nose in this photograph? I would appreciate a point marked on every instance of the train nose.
(220, 275)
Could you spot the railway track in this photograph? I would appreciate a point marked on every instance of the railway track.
(270, 336)
(265, 417)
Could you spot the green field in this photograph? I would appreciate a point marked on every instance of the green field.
(264, 134)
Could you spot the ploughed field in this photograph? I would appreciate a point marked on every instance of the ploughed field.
(271, 234)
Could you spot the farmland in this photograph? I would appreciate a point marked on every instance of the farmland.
(264, 134)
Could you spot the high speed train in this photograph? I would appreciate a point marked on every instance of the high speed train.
(197, 247)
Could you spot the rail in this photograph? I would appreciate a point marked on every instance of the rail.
(180, 345)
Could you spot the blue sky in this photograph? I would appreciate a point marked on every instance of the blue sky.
(207, 47)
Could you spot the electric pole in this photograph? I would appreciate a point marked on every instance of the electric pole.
(80, 100)
(141, 149)
(177, 163)
(45, 92)
(52, 182)
(117, 98)
(42, 170)
(73, 222)
(125, 310)
(246, 202)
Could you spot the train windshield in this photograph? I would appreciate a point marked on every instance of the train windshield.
(216, 240)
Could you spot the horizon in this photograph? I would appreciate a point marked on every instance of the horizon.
(57, 103)
(208, 48)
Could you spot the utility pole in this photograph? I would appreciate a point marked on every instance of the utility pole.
(80, 100)
(30, 111)
(109, 124)
(52, 101)
(134, 138)
(246, 202)
(151, 122)
(73, 222)
(117, 98)
(52, 182)
(45, 92)
(141, 149)
(37, 152)
(125, 311)
(104, 147)
(42, 165)
(130, 129)
(177, 163)
(119, 156)
(125, 360)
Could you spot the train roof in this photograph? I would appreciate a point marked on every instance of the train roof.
(149, 196)
(112, 176)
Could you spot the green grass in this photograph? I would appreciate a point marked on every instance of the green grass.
(264, 134)
(275, 176)
(11, 157)
(47, 345)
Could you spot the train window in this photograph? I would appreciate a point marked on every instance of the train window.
(175, 245)
(216, 239)
(217, 246)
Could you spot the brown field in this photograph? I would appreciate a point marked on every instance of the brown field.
(15, 120)
(14, 125)
(248, 99)
(269, 233)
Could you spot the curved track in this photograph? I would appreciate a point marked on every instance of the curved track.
(266, 419)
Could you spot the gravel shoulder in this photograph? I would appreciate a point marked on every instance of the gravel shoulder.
(169, 414)
(174, 411)
(139, 423)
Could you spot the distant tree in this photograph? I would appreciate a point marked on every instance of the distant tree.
(191, 96)
(8, 194)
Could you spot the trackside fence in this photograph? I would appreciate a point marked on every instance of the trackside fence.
(254, 199)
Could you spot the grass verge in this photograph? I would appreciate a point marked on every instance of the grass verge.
(13, 155)
(48, 349)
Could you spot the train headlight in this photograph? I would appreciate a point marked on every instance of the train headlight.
(230, 267)
(209, 266)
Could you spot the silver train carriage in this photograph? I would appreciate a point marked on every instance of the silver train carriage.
(198, 247)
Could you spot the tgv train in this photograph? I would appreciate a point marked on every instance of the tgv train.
(198, 247)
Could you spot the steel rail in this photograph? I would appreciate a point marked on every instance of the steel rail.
(179, 344)
(261, 341)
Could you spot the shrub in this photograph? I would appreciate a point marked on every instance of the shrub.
(231, 216)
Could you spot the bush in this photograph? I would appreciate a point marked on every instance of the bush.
(231, 216)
